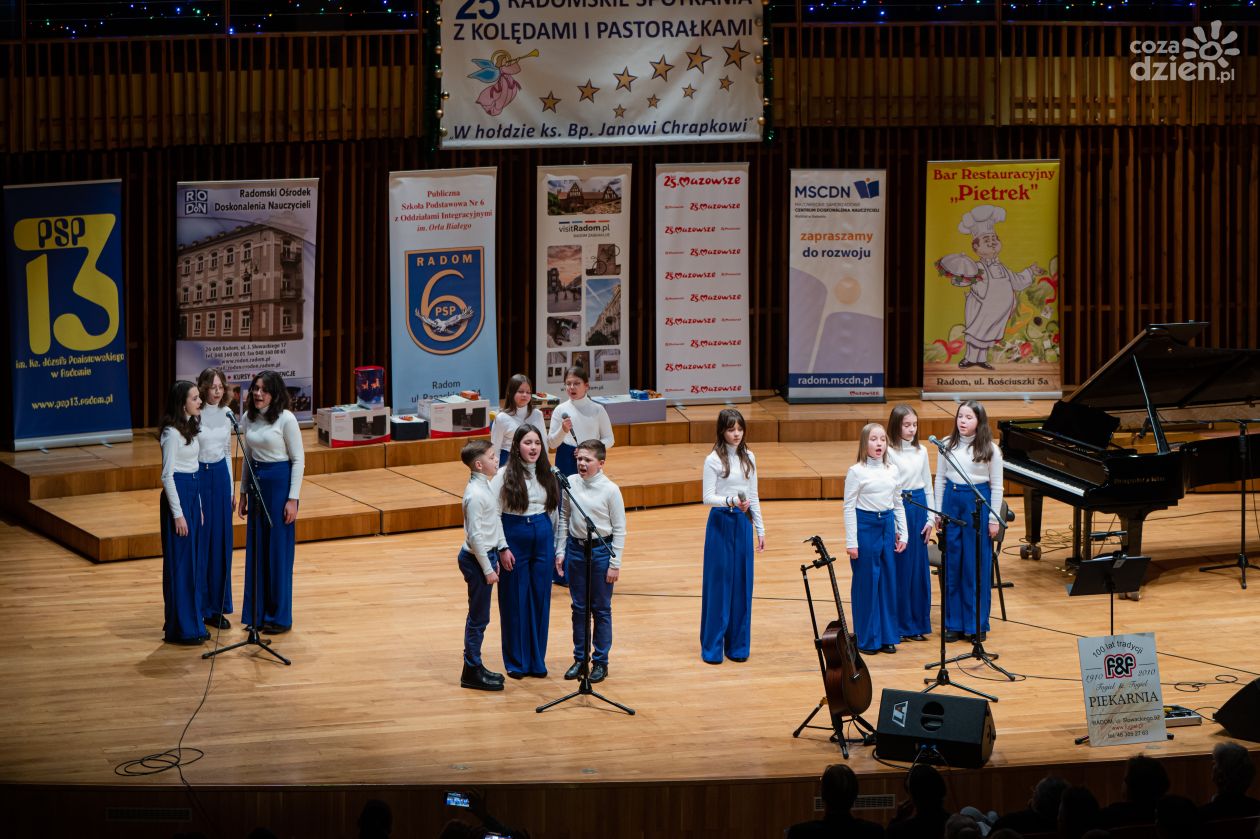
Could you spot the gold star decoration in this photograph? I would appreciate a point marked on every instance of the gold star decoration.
(660, 69)
(588, 91)
(653, 101)
(624, 79)
(689, 92)
(696, 60)
(619, 112)
(736, 55)
(549, 102)
(725, 82)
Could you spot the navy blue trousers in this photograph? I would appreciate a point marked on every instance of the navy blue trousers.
(182, 563)
(960, 560)
(726, 590)
(873, 592)
(566, 462)
(600, 594)
(504, 454)
(914, 576)
(525, 593)
(271, 548)
(478, 604)
(216, 538)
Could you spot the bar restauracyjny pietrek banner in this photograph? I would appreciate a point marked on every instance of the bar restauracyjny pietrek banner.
(64, 248)
(836, 286)
(245, 271)
(702, 282)
(991, 280)
(590, 72)
(441, 285)
(583, 267)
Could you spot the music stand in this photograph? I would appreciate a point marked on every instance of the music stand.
(1111, 575)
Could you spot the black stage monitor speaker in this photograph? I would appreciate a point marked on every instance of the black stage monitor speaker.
(1241, 714)
(955, 730)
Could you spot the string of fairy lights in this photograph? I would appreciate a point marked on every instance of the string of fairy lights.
(101, 18)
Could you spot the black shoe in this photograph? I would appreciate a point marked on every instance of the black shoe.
(706, 661)
(218, 622)
(918, 636)
(978, 639)
(541, 675)
(738, 659)
(572, 672)
(951, 636)
(888, 648)
(489, 675)
(275, 629)
(474, 678)
(869, 652)
(599, 671)
(188, 642)
(512, 674)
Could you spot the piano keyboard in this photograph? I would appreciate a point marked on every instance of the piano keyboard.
(1044, 476)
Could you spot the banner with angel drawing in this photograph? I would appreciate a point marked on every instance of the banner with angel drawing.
(991, 280)
(592, 72)
(442, 285)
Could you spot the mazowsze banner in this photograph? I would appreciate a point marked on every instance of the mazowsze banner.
(64, 249)
(1123, 699)
(836, 286)
(245, 272)
(441, 283)
(583, 266)
(702, 282)
(586, 72)
(991, 280)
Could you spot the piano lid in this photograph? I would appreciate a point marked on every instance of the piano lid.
(1176, 374)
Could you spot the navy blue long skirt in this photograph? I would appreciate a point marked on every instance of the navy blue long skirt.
(181, 564)
(271, 548)
(216, 538)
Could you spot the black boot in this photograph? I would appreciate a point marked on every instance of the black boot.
(475, 679)
(490, 675)
(574, 671)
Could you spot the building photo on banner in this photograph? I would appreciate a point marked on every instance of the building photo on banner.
(702, 352)
(245, 280)
(444, 338)
(540, 75)
(836, 285)
(583, 266)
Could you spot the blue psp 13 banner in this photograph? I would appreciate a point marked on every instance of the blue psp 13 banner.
(63, 246)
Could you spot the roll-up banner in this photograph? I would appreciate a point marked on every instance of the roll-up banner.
(583, 267)
(702, 282)
(590, 72)
(836, 286)
(991, 280)
(63, 243)
(245, 273)
(441, 285)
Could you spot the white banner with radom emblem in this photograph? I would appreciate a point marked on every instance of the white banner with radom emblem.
(441, 281)
(245, 274)
(584, 72)
(702, 282)
(583, 267)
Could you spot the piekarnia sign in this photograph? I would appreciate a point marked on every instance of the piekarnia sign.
(1123, 699)
(589, 72)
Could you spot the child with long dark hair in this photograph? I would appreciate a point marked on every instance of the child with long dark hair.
(971, 445)
(914, 576)
(528, 498)
(217, 501)
(517, 411)
(729, 486)
(874, 532)
(181, 516)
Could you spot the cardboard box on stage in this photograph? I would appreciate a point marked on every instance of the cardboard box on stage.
(408, 427)
(455, 416)
(624, 409)
(350, 425)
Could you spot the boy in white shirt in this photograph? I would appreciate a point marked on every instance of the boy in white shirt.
(484, 549)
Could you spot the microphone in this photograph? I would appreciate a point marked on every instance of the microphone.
(572, 433)
(560, 476)
(232, 419)
(940, 444)
(743, 496)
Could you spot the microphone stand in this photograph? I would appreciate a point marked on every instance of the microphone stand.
(256, 502)
(588, 548)
(977, 516)
(1244, 462)
(942, 674)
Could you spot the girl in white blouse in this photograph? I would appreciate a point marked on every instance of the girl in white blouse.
(971, 446)
(874, 531)
(914, 576)
(181, 516)
(273, 445)
(729, 486)
(215, 486)
(517, 411)
(577, 419)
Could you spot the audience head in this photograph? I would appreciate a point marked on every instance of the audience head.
(1078, 812)
(376, 821)
(959, 826)
(1145, 780)
(839, 788)
(1232, 769)
(1176, 817)
(925, 786)
(1046, 796)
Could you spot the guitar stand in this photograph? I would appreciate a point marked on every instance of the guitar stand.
(837, 729)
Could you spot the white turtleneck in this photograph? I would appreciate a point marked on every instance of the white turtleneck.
(506, 422)
(716, 490)
(537, 495)
(913, 469)
(601, 499)
(990, 473)
(872, 485)
(216, 436)
(590, 422)
(178, 455)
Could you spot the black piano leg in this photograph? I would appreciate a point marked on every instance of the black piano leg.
(1032, 525)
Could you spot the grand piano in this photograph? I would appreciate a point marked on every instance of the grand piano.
(1071, 456)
